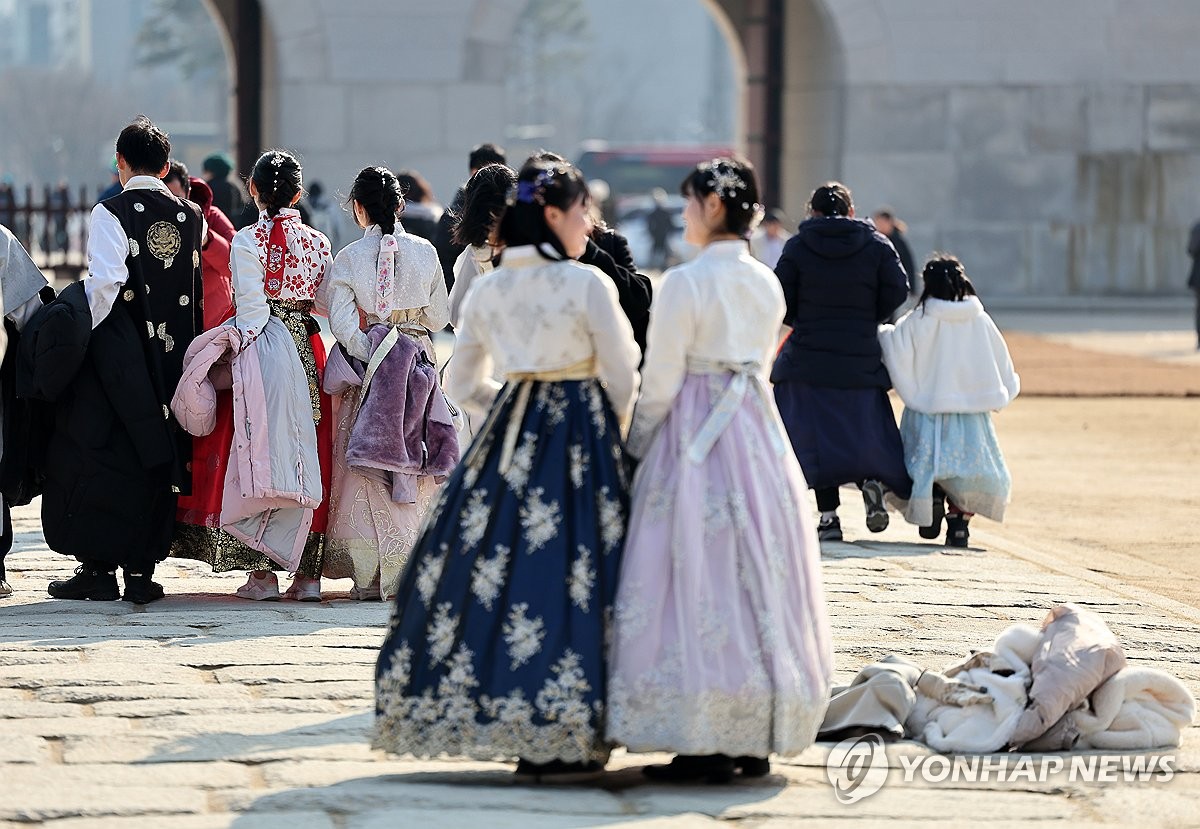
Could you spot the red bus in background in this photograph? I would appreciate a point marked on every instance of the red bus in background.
(637, 170)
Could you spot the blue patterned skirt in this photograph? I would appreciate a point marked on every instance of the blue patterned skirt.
(961, 454)
(496, 647)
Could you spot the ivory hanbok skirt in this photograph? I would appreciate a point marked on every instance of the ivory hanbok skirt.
(370, 536)
(721, 641)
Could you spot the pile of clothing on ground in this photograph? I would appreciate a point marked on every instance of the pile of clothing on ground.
(1063, 687)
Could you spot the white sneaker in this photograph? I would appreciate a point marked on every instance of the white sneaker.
(260, 589)
(6, 589)
(304, 589)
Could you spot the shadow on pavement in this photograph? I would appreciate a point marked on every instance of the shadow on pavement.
(881, 549)
(185, 618)
(289, 744)
(495, 798)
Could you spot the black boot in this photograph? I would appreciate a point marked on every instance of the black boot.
(139, 589)
(939, 513)
(693, 768)
(957, 534)
(89, 582)
(559, 771)
(752, 766)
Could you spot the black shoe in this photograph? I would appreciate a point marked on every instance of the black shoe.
(559, 771)
(693, 768)
(957, 534)
(877, 516)
(87, 583)
(141, 590)
(830, 529)
(939, 513)
(752, 766)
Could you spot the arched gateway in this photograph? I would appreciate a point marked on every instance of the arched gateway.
(1054, 146)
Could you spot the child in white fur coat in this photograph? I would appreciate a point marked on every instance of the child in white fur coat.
(951, 367)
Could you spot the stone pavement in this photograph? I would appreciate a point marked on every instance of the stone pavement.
(203, 710)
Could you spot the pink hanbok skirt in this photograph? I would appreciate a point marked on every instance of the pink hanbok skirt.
(721, 640)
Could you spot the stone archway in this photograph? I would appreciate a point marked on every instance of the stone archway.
(793, 58)
(1051, 167)
(239, 23)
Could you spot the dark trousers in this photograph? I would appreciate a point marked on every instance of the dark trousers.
(160, 521)
(828, 499)
(6, 537)
(1197, 291)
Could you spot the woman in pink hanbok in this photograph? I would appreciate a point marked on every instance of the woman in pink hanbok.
(721, 647)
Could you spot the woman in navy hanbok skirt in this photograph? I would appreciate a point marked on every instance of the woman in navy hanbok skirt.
(496, 647)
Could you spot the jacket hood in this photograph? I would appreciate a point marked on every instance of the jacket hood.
(946, 310)
(836, 237)
(201, 193)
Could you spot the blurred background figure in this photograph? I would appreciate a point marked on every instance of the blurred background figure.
(421, 210)
(485, 199)
(602, 202)
(767, 242)
(114, 185)
(177, 179)
(327, 216)
(443, 239)
(227, 196)
(891, 227)
(214, 244)
(60, 200)
(8, 205)
(1194, 276)
(660, 225)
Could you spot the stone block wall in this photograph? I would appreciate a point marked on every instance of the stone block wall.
(1054, 146)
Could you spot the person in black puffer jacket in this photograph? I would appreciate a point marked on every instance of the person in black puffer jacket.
(840, 279)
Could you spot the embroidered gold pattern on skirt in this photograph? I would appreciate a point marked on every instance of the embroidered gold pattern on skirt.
(296, 316)
(224, 553)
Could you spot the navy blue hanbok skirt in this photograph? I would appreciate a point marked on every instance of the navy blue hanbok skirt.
(496, 647)
(843, 436)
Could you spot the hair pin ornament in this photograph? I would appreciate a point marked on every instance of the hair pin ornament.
(725, 182)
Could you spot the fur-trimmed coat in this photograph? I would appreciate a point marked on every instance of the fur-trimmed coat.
(273, 481)
(949, 357)
(404, 428)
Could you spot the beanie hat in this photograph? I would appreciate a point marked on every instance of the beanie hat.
(219, 164)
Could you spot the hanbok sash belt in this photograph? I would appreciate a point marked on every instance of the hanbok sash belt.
(386, 345)
(521, 384)
(744, 376)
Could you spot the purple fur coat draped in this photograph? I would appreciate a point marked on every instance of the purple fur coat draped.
(404, 428)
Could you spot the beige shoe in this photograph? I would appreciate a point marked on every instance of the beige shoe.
(304, 589)
(260, 588)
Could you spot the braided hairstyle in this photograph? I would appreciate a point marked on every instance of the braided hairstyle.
(831, 199)
(733, 180)
(483, 203)
(378, 191)
(945, 278)
(277, 175)
(539, 185)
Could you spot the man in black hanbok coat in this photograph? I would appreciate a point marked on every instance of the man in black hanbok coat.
(108, 353)
(22, 292)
